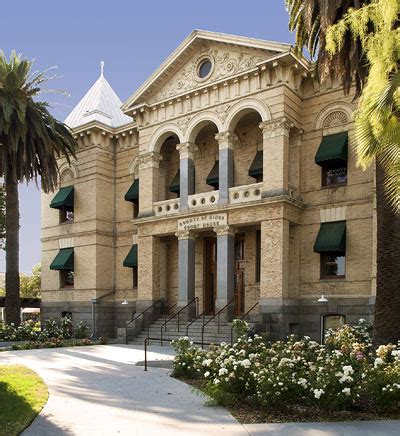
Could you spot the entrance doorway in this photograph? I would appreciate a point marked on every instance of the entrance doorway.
(210, 272)
(239, 273)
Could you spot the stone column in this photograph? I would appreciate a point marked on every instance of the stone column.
(187, 152)
(227, 142)
(225, 267)
(149, 164)
(274, 284)
(276, 156)
(186, 262)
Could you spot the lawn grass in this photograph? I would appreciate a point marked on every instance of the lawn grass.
(22, 396)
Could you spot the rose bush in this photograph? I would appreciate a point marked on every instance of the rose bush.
(342, 374)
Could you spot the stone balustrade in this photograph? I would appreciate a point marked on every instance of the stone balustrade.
(166, 207)
(246, 193)
(204, 199)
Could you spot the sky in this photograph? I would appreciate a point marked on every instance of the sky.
(131, 37)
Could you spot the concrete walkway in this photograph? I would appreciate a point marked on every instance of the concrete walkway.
(100, 390)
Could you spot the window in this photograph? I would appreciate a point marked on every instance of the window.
(67, 279)
(135, 205)
(204, 68)
(331, 321)
(66, 215)
(334, 173)
(258, 256)
(333, 266)
(134, 277)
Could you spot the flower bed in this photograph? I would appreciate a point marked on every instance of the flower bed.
(344, 375)
(55, 333)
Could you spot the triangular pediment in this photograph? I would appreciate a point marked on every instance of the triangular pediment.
(230, 55)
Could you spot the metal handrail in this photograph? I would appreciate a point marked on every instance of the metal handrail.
(161, 300)
(195, 299)
(203, 314)
(215, 315)
(242, 317)
(168, 311)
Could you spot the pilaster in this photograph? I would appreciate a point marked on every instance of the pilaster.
(276, 156)
(149, 164)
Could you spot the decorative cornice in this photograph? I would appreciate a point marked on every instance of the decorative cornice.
(276, 127)
(149, 160)
(187, 150)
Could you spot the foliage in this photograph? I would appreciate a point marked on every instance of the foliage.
(52, 330)
(30, 285)
(342, 375)
(2, 217)
(22, 396)
(377, 122)
(311, 20)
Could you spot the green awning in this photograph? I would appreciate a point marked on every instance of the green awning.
(131, 260)
(331, 238)
(213, 177)
(64, 261)
(63, 198)
(332, 147)
(175, 185)
(133, 191)
(256, 167)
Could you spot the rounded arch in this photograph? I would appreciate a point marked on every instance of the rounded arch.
(134, 167)
(67, 172)
(199, 121)
(161, 134)
(334, 114)
(241, 108)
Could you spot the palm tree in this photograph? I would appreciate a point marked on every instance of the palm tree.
(313, 20)
(31, 140)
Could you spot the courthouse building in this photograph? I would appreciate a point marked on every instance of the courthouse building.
(228, 175)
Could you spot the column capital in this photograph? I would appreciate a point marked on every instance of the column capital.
(187, 150)
(227, 140)
(185, 234)
(224, 230)
(276, 127)
(149, 160)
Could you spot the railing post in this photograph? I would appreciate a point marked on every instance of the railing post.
(145, 354)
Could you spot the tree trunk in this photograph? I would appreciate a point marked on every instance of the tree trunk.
(13, 302)
(387, 305)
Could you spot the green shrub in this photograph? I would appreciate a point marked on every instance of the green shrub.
(81, 330)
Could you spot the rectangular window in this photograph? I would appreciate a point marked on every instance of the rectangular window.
(333, 266)
(67, 279)
(135, 205)
(134, 277)
(66, 215)
(334, 173)
(258, 256)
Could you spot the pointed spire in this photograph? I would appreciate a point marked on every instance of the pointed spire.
(101, 68)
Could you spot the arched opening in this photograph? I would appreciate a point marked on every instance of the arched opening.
(207, 157)
(169, 169)
(248, 157)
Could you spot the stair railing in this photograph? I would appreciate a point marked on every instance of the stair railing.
(217, 315)
(176, 315)
(242, 317)
(141, 314)
(203, 314)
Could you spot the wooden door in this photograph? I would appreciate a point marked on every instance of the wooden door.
(210, 274)
(239, 273)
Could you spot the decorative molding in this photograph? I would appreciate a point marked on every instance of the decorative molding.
(276, 127)
(68, 172)
(333, 214)
(149, 160)
(66, 243)
(334, 114)
(187, 150)
(134, 167)
(197, 122)
(335, 119)
(237, 110)
(161, 134)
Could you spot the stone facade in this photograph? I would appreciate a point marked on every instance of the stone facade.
(257, 97)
